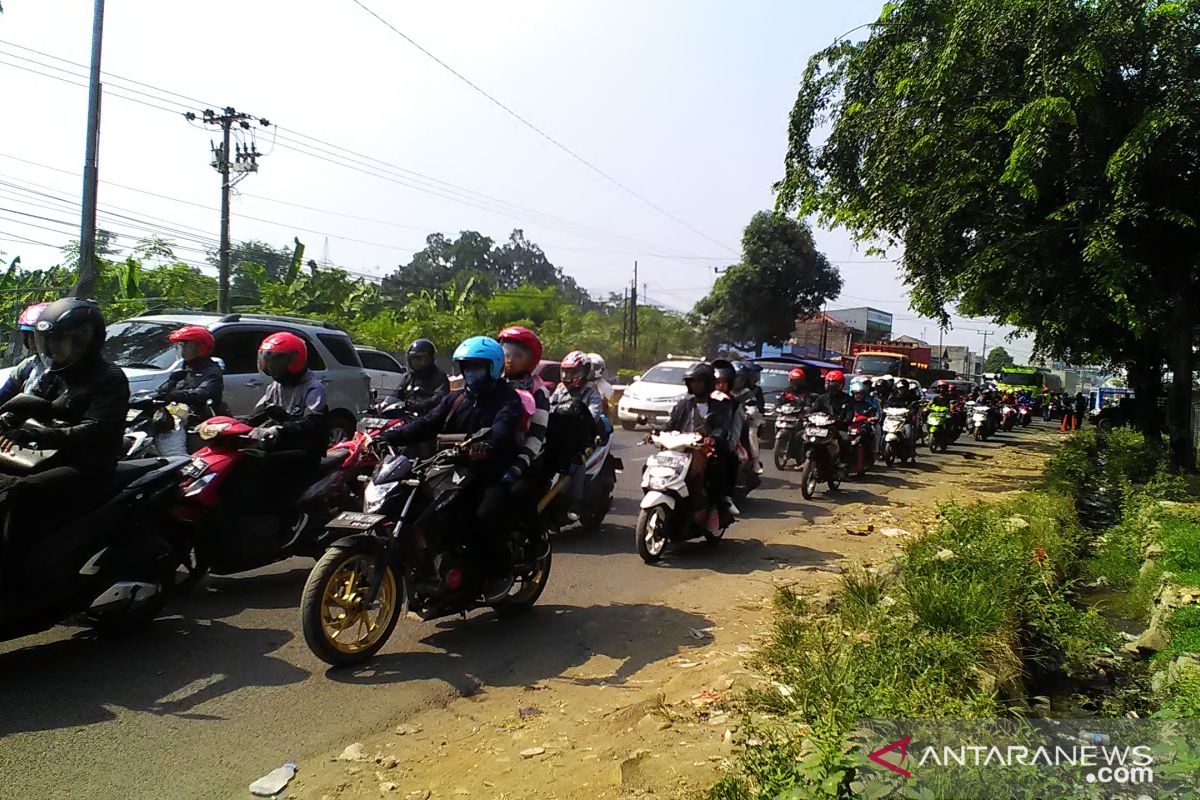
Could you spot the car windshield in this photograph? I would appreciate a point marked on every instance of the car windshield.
(773, 380)
(877, 365)
(665, 374)
(140, 345)
(1020, 379)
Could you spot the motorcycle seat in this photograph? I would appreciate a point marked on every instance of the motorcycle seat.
(129, 471)
(333, 459)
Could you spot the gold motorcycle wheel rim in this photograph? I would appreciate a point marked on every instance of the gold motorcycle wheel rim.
(348, 624)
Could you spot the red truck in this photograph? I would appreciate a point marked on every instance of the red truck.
(898, 359)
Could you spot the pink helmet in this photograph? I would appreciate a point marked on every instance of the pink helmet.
(30, 316)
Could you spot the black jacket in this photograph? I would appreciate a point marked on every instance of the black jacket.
(838, 405)
(200, 383)
(89, 404)
(717, 423)
(422, 391)
(458, 412)
(306, 409)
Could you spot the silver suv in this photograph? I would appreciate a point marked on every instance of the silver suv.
(139, 346)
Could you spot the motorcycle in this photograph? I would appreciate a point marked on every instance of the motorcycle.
(155, 427)
(600, 469)
(1024, 414)
(788, 446)
(675, 506)
(412, 549)
(223, 528)
(898, 440)
(110, 568)
(860, 458)
(821, 461)
(1008, 417)
(748, 478)
(938, 424)
(981, 421)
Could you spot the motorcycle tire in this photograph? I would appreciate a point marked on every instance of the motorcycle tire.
(889, 454)
(325, 583)
(781, 453)
(531, 586)
(650, 533)
(933, 445)
(808, 479)
(978, 436)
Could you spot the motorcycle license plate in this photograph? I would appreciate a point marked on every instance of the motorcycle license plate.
(372, 423)
(355, 520)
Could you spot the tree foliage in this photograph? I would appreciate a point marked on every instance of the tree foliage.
(782, 277)
(997, 359)
(1038, 160)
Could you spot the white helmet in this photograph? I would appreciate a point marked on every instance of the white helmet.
(598, 366)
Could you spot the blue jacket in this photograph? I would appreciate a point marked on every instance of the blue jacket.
(21, 379)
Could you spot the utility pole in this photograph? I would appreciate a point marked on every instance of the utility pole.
(625, 321)
(244, 162)
(985, 335)
(633, 310)
(85, 285)
(824, 329)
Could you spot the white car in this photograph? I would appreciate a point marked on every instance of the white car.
(650, 398)
(384, 370)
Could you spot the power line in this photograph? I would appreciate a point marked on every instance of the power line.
(508, 110)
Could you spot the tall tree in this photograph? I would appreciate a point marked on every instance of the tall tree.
(1039, 162)
(997, 359)
(782, 277)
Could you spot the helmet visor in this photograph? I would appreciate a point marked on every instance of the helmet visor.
(419, 360)
(517, 357)
(276, 364)
(572, 376)
(61, 349)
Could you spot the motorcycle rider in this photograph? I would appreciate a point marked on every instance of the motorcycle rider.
(750, 396)
(424, 385)
(485, 401)
(24, 375)
(710, 415)
(797, 388)
(88, 402)
(839, 405)
(576, 387)
(201, 383)
(292, 446)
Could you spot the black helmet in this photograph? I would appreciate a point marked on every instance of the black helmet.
(700, 379)
(69, 331)
(420, 355)
(744, 374)
(723, 370)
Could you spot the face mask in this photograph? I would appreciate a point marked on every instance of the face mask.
(476, 379)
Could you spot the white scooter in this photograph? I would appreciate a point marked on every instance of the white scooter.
(675, 506)
(898, 439)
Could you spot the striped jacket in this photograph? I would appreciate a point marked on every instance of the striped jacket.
(535, 434)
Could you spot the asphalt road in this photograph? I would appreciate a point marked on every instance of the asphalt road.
(225, 689)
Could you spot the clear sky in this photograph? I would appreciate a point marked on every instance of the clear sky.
(683, 101)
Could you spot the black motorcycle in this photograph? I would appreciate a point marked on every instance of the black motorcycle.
(413, 548)
(821, 448)
(109, 568)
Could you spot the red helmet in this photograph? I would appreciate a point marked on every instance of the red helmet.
(281, 355)
(524, 337)
(576, 369)
(834, 376)
(194, 333)
(797, 374)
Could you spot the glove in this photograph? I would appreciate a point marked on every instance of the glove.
(264, 435)
(17, 437)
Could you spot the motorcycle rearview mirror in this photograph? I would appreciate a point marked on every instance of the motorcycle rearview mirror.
(220, 362)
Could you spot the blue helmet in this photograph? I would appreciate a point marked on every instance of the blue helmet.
(482, 348)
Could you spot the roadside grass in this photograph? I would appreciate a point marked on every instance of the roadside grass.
(981, 605)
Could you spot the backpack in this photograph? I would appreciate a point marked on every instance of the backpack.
(570, 432)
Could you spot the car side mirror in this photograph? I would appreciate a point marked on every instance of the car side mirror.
(637, 378)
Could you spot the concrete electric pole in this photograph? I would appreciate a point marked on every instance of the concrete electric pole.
(85, 284)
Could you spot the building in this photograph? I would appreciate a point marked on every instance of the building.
(809, 334)
(960, 359)
(873, 324)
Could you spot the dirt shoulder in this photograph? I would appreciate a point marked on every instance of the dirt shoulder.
(623, 728)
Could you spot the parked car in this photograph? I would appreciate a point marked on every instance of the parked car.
(650, 398)
(139, 346)
(550, 372)
(383, 369)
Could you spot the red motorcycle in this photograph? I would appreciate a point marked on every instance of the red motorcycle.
(859, 459)
(225, 527)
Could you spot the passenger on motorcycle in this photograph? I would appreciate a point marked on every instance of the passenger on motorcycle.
(598, 379)
(711, 416)
(522, 353)
(83, 421)
(750, 396)
(23, 376)
(868, 407)
(424, 385)
(485, 401)
(839, 405)
(200, 384)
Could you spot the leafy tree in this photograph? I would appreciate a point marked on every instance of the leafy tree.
(997, 359)
(782, 277)
(1039, 162)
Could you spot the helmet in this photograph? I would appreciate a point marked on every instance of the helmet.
(576, 369)
(29, 317)
(835, 376)
(598, 365)
(723, 371)
(700, 379)
(282, 356)
(482, 348)
(200, 336)
(525, 338)
(69, 331)
(797, 374)
(858, 386)
(420, 354)
(742, 372)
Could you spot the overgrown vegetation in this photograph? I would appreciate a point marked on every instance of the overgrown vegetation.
(978, 614)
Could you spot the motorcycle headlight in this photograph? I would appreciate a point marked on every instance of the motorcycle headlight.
(375, 494)
(934, 419)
